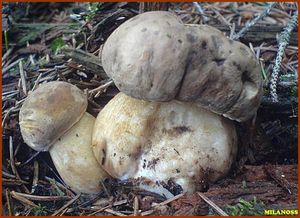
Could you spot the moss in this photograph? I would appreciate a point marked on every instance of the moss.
(57, 44)
(244, 207)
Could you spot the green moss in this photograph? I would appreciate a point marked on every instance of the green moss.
(56, 44)
(244, 207)
(39, 210)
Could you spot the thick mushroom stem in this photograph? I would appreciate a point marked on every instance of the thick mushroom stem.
(74, 160)
(165, 141)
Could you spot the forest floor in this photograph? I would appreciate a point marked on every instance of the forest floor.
(44, 42)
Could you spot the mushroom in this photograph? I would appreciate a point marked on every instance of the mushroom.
(179, 80)
(154, 56)
(53, 118)
(163, 141)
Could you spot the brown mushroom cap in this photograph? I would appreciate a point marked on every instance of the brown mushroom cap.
(154, 56)
(160, 141)
(223, 76)
(50, 111)
(137, 50)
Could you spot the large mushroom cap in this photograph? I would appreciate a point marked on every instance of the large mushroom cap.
(161, 141)
(155, 57)
(151, 51)
(50, 111)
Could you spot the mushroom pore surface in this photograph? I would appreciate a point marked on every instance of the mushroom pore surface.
(154, 56)
(160, 141)
(49, 111)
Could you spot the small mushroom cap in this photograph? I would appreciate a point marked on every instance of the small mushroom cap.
(74, 159)
(154, 56)
(160, 141)
(50, 111)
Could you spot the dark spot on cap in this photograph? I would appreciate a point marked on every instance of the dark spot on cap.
(182, 129)
(219, 61)
(179, 40)
(245, 77)
(238, 67)
(191, 37)
(77, 135)
(204, 44)
(115, 154)
(177, 171)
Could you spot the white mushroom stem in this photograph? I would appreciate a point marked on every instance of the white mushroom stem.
(74, 160)
(163, 141)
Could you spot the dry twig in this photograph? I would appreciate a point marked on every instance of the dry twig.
(66, 205)
(254, 21)
(212, 204)
(135, 206)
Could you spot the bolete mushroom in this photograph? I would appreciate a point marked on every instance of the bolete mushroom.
(163, 141)
(53, 118)
(154, 56)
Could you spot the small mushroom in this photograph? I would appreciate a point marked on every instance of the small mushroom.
(53, 118)
(174, 140)
(154, 56)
